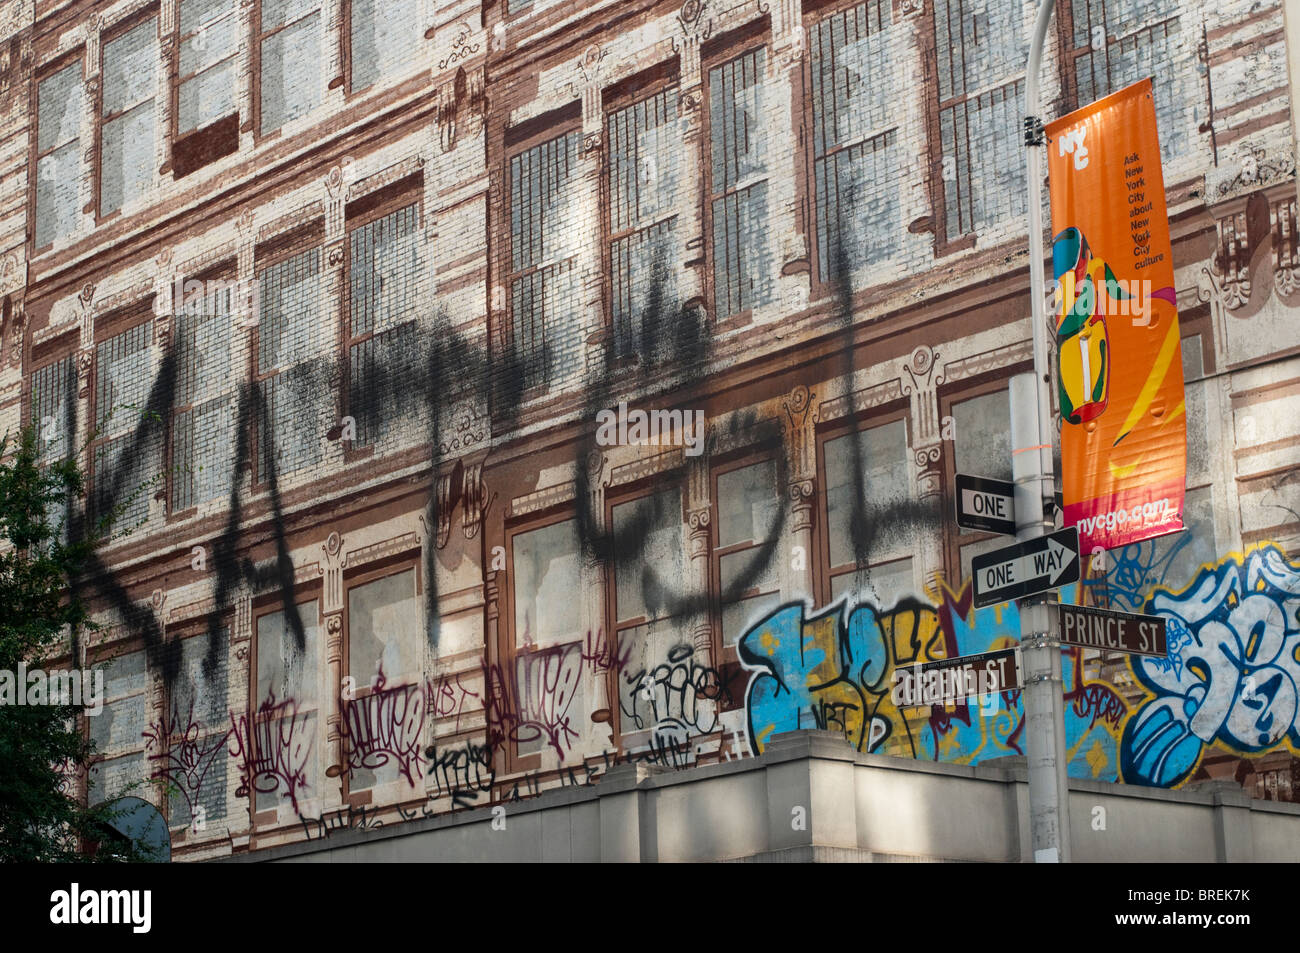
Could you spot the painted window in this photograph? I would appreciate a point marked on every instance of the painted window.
(384, 717)
(292, 366)
(982, 47)
(644, 248)
(863, 559)
(289, 47)
(282, 748)
(54, 408)
(742, 257)
(383, 276)
(128, 117)
(855, 139)
(203, 421)
(58, 154)
(648, 583)
(205, 85)
(118, 731)
(209, 45)
(1115, 43)
(749, 509)
(191, 750)
(549, 636)
(544, 240)
(981, 430)
(123, 468)
(384, 38)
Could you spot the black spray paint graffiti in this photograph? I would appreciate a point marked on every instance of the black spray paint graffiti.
(668, 697)
(462, 773)
(350, 818)
(181, 755)
(422, 376)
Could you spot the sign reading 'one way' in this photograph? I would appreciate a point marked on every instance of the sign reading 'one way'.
(986, 505)
(1036, 565)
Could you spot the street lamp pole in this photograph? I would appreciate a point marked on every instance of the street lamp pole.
(1032, 433)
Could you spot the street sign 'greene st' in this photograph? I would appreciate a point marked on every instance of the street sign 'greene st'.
(1035, 565)
(948, 681)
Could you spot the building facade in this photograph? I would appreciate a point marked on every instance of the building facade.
(496, 392)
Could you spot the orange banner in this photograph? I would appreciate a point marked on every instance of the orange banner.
(1119, 364)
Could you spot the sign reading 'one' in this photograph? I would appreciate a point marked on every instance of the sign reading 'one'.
(986, 505)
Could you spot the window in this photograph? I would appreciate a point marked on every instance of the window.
(547, 577)
(982, 433)
(206, 85)
(58, 154)
(202, 424)
(748, 504)
(191, 752)
(128, 120)
(982, 437)
(648, 578)
(383, 40)
(741, 258)
(1115, 43)
(548, 631)
(292, 361)
(54, 414)
(544, 241)
(281, 749)
(982, 48)
(118, 731)
(54, 408)
(289, 57)
(855, 143)
(385, 645)
(644, 181)
(867, 561)
(383, 275)
(124, 468)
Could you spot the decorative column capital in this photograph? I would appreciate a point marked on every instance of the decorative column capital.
(332, 571)
(929, 475)
(801, 504)
(1286, 246)
(698, 522)
(85, 361)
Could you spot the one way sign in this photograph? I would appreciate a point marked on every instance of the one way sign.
(1035, 565)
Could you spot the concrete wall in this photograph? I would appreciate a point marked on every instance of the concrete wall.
(810, 797)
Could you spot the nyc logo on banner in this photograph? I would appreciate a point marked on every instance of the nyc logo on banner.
(1119, 364)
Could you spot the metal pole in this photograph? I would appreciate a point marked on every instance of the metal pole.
(1032, 433)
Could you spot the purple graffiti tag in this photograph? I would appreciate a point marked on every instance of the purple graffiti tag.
(273, 750)
(182, 757)
(601, 656)
(443, 698)
(384, 726)
(532, 702)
